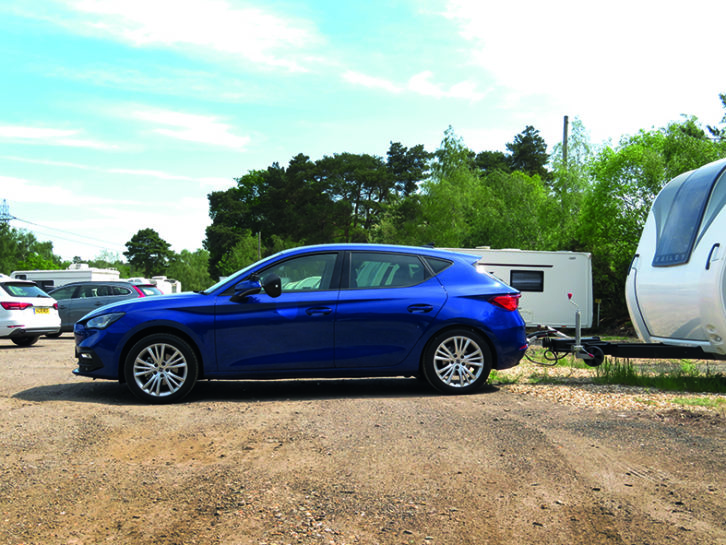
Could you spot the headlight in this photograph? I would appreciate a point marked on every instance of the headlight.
(103, 321)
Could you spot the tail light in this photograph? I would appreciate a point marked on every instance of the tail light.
(141, 293)
(15, 305)
(507, 302)
(55, 306)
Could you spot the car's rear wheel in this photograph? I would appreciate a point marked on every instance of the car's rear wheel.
(457, 361)
(161, 368)
(25, 341)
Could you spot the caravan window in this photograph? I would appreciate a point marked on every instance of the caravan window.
(527, 280)
(679, 211)
(715, 203)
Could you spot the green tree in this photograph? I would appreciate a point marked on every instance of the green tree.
(454, 198)
(20, 250)
(148, 252)
(191, 269)
(408, 167)
(243, 253)
(716, 132)
(568, 184)
(528, 153)
(363, 183)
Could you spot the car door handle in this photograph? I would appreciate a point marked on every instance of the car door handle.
(318, 311)
(420, 308)
(711, 257)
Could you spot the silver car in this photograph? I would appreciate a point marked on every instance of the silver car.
(77, 299)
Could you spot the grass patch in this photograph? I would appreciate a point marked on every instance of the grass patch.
(500, 378)
(687, 378)
(710, 402)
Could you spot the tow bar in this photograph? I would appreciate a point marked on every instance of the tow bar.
(557, 345)
(592, 350)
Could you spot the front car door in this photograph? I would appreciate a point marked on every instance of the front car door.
(292, 331)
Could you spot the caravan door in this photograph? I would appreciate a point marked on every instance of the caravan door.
(676, 284)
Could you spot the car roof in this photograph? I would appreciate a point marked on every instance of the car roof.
(106, 282)
(352, 246)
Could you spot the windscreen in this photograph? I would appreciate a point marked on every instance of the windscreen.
(678, 223)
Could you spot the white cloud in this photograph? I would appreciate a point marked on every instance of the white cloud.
(644, 57)
(420, 84)
(371, 82)
(250, 32)
(214, 182)
(51, 137)
(193, 128)
(27, 191)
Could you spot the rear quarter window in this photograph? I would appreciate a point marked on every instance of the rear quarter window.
(437, 265)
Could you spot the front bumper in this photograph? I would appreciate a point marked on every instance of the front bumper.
(88, 361)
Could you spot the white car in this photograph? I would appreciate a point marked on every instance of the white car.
(26, 311)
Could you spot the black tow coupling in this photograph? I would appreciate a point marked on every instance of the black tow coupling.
(557, 345)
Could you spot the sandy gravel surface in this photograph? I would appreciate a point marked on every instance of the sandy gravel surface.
(346, 461)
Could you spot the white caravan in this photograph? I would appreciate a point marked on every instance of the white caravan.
(676, 285)
(545, 280)
(76, 272)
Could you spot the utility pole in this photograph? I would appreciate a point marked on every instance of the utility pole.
(564, 141)
(5, 216)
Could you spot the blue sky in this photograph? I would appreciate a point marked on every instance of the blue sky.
(123, 115)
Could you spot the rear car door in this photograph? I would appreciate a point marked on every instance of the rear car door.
(388, 302)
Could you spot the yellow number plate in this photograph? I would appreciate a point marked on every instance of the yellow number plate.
(42, 310)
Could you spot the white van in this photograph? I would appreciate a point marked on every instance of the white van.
(676, 285)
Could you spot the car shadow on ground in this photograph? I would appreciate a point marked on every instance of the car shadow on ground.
(220, 391)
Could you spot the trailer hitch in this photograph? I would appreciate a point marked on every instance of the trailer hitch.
(557, 345)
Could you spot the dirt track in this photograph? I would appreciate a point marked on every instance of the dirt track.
(343, 461)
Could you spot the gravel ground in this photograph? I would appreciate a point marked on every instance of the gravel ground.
(366, 461)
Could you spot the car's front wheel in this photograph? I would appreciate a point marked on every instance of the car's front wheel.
(161, 368)
(25, 341)
(457, 361)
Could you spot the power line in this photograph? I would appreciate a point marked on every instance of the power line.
(82, 237)
(6, 217)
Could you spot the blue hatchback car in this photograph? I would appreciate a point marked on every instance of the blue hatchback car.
(337, 310)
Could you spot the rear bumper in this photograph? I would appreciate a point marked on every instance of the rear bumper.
(32, 332)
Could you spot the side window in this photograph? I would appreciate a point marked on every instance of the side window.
(381, 270)
(87, 291)
(527, 280)
(118, 290)
(306, 273)
(715, 203)
(64, 293)
(437, 265)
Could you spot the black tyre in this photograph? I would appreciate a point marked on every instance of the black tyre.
(25, 341)
(54, 335)
(161, 368)
(457, 361)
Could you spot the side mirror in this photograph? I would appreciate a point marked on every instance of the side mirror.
(273, 285)
(247, 287)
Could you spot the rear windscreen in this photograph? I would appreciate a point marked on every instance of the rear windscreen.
(23, 290)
